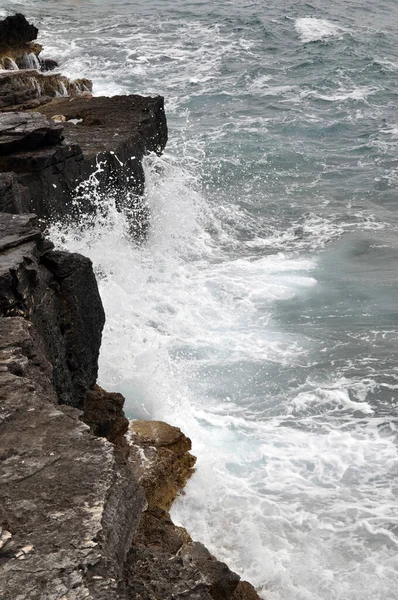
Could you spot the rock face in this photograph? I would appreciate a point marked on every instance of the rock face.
(58, 293)
(115, 132)
(69, 504)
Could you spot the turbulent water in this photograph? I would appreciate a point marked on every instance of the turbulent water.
(261, 316)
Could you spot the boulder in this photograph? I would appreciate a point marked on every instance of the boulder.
(161, 460)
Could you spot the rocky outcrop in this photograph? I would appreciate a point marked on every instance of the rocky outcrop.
(115, 132)
(16, 42)
(83, 511)
(16, 31)
(58, 293)
(83, 136)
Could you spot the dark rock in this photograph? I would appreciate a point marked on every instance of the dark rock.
(58, 292)
(68, 505)
(48, 64)
(221, 581)
(116, 132)
(13, 196)
(27, 131)
(103, 413)
(15, 31)
(245, 591)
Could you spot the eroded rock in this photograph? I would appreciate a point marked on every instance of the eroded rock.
(161, 460)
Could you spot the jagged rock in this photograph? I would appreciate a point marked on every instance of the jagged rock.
(69, 504)
(27, 131)
(164, 562)
(58, 292)
(165, 464)
(245, 591)
(17, 50)
(15, 31)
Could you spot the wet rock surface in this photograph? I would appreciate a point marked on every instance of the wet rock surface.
(114, 132)
(28, 89)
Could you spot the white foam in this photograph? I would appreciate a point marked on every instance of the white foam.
(312, 29)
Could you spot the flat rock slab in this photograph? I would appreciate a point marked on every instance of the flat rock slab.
(27, 131)
(104, 124)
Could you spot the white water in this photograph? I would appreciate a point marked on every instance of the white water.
(289, 490)
(312, 29)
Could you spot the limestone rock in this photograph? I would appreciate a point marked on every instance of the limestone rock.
(27, 131)
(167, 463)
(68, 505)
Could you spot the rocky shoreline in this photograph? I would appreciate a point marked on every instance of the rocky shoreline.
(84, 494)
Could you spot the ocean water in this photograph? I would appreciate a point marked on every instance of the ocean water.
(261, 315)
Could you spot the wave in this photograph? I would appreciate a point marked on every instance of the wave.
(312, 29)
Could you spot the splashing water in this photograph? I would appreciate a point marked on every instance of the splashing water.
(289, 490)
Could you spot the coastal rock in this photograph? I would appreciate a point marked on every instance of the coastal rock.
(27, 131)
(48, 64)
(164, 562)
(28, 89)
(69, 505)
(15, 30)
(115, 133)
(58, 293)
(17, 49)
(161, 459)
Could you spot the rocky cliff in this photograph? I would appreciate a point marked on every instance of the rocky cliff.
(84, 495)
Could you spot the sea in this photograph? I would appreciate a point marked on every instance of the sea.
(261, 313)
